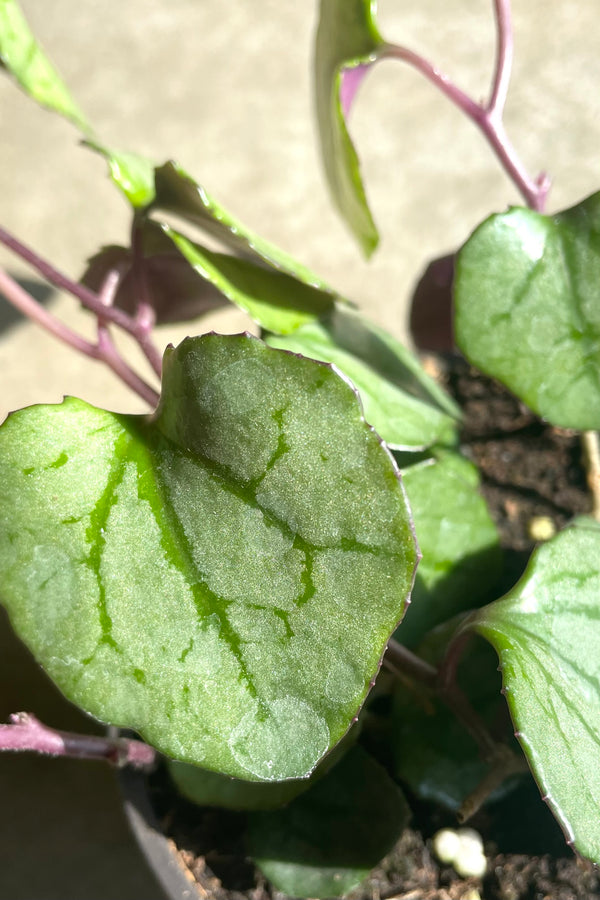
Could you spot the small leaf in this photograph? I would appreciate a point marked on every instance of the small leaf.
(347, 40)
(207, 788)
(275, 300)
(175, 290)
(406, 408)
(328, 839)
(546, 632)
(178, 193)
(527, 311)
(23, 57)
(132, 173)
(433, 752)
(458, 541)
(222, 578)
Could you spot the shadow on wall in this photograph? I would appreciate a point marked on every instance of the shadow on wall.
(9, 316)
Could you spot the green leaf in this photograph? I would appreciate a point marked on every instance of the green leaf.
(328, 839)
(406, 408)
(23, 57)
(546, 632)
(222, 578)
(527, 310)
(458, 541)
(178, 193)
(207, 788)
(275, 300)
(347, 37)
(433, 752)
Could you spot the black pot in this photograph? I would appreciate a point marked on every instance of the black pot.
(175, 879)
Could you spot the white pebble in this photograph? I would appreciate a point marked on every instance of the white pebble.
(446, 845)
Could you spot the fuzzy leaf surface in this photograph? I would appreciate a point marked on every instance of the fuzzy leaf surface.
(328, 839)
(458, 540)
(546, 632)
(527, 311)
(347, 39)
(23, 57)
(406, 407)
(221, 578)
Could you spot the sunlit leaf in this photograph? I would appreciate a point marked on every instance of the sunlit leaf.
(22, 56)
(527, 311)
(406, 407)
(223, 577)
(275, 300)
(347, 39)
(328, 839)
(546, 632)
(177, 192)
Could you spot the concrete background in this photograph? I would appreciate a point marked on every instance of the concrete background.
(226, 90)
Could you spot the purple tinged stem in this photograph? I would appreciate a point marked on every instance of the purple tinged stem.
(25, 732)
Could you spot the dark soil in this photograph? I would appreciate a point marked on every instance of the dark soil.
(529, 470)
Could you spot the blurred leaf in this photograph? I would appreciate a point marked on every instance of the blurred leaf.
(527, 311)
(178, 193)
(223, 577)
(23, 57)
(546, 632)
(347, 39)
(328, 839)
(433, 753)
(176, 292)
(458, 540)
(275, 300)
(406, 408)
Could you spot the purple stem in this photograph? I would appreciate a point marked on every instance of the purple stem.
(137, 329)
(103, 351)
(504, 58)
(487, 118)
(27, 733)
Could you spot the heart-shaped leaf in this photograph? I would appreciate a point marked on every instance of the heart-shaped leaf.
(546, 632)
(527, 311)
(347, 39)
(458, 540)
(328, 839)
(222, 578)
(406, 407)
(22, 56)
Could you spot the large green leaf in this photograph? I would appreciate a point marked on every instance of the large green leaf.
(458, 540)
(328, 839)
(275, 300)
(546, 632)
(222, 578)
(527, 309)
(347, 37)
(23, 57)
(406, 407)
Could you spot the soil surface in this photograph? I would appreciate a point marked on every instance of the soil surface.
(529, 470)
